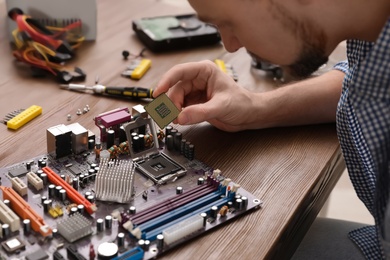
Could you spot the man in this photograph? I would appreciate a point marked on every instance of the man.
(299, 35)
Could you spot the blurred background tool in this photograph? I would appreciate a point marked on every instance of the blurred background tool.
(124, 92)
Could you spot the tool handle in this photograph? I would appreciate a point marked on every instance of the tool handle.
(132, 92)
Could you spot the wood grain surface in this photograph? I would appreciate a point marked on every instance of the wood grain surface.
(291, 169)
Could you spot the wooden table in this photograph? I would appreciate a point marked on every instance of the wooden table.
(291, 169)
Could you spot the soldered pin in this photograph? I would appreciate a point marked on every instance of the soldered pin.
(137, 68)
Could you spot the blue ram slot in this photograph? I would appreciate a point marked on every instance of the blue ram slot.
(183, 210)
(152, 234)
(135, 253)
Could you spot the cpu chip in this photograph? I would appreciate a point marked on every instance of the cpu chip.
(162, 110)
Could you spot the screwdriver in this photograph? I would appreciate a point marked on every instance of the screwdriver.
(130, 92)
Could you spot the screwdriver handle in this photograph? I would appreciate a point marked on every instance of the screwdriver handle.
(133, 92)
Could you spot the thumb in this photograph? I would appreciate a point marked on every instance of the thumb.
(195, 114)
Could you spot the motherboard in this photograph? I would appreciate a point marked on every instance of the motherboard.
(128, 192)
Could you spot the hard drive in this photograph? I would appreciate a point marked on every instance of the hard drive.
(168, 33)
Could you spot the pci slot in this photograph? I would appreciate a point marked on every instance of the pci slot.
(35, 181)
(19, 186)
(152, 234)
(21, 207)
(174, 202)
(72, 194)
(9, 217)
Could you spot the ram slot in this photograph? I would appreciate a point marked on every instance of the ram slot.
(152, 234)
(9, 217)
(72, 194)
(175, 202)
(21, 207)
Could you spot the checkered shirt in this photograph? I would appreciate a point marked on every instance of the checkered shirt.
(363, 127)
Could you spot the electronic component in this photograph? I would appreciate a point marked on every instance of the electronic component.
(107, 250)
(182, 229)
(112, 120)
(35, 181)
(71, 250)
(79, 138)
(24, 211)
(59, 141)
(135, 253)
(227, 68)
(137, 68)
(9, 217)
(18, 171)
(74, 227)
(162, 110)
(115, 181)
(19, 186)
(37, 255)
(13, 245)
(19, 118)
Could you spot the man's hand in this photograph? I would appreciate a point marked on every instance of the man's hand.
(204, 93)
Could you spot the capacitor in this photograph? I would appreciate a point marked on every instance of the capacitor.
(91, 172)
(168, 130)
(177, 141)
(191, 152)
(204, 216)
(80, 209)
(110, 138)
(57, 191)
(136, 144)
(223, 211)
(141, 142)
(62, 176)
(62, 195)
(85, 180)
(200, 181)
(108, 222)
(43, 198)
(40, 161)
(99, 224)
(51, 190)
(6, 230)
(7, 203)
(107, 250)
(96, 169)
(214, 212)
(39, 172)
(173, 131)
(26, 226)
(141, 243)
(230, 204)
(239, 204)
(44, 179)
(91, 198)
(186, 148)
(75, 183)
(28, 166)
(244, 202)
(179, 190)
(91, 144)
(93, 165)
(121, 239)
(73, 210)
(146, 245)
(87, 193)
(132, 210)
(47, 205)
(160, 242)
(54, 232)
(43, 164)
(182, 145)
(169, 142)
(122, 134)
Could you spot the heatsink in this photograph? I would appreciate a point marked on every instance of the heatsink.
(115, 181)
(75, 227)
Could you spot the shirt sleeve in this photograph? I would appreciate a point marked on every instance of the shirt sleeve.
(342, 66)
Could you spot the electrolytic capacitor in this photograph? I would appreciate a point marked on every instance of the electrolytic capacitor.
(186, 149)
(244, 202)
(191, 152)
(136, 144)
(62, 195)
(47, 205)
(26, 226)
(57, 191)
(40, 163)
(91, 144)
(44, 179)
(204, 216)
(160, 242)
(99, 224)
(110, 138)
(51, 190)
(28, 166)
(179, 190)
(86, 194)
(39, 172)
(146, 245)
(168, 130)
(73, 210)
(62, 176)
(75, 183)
(182, 145)
(6, 230)
(177, 141)
(108, 222)
(43, 198)
(169, 142)
(91, 198)
(200, 181)
(239, 204)
(7, 203)
(80, 209)
(214, 212)
(132, 210)
(121, 239)
(43, 164)
(122, 134)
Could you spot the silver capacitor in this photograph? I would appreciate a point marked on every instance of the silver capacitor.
(26, 226)
(62, 195)
(120, 239)
(100, 225)
(108, 222)
(51, 190)
(6, 230)
(160, 242)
